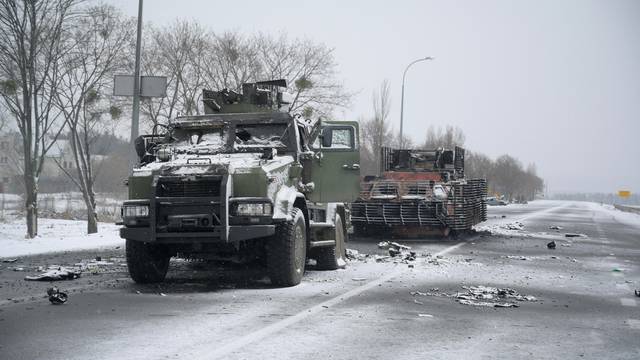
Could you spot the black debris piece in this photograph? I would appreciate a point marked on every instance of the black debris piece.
(551, 245)
(98, 258)
(56, 297)
(572, 235)
(637, 293)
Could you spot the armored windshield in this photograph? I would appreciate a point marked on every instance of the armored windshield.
(260, 136)
(229, 138)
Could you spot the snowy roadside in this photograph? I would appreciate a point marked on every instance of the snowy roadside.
(55, 236)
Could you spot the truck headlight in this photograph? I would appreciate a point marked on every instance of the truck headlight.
(135, 211)
(253, 209)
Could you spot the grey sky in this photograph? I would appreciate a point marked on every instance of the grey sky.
(551, 82)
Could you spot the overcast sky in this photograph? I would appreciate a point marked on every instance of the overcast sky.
(551, 82)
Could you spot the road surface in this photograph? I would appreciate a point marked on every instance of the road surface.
(582, 302)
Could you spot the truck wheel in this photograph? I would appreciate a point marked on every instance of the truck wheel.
(332, 258)
(147, 263)
(287, 250)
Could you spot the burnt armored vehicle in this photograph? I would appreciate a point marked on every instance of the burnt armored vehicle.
(245, 181)
(419, 192)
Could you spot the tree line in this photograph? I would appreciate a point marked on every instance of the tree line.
(505, 175)
(57, 63)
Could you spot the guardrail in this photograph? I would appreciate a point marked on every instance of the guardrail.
(631, 209)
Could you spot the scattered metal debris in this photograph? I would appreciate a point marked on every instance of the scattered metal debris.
(425, 315)
(392, 245)
(513, 226)
(572, 235)
(56, 297)
(56, 273)
(555, 227)
(516, 257)
(482, 296)
(551, 245)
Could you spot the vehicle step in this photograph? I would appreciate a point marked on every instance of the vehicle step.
(322, 243)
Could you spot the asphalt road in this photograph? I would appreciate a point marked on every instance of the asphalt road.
(582, 305)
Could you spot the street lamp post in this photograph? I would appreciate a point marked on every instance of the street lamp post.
(404, 75)
(135, 116)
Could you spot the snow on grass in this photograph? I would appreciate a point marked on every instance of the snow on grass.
(626, 218)
(55, 236)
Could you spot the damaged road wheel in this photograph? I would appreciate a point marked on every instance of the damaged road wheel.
(287, 250)
(332, 258)
(147, 263)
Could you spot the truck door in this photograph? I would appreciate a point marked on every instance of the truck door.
(336, 166)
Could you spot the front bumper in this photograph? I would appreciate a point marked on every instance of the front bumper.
(236, 234)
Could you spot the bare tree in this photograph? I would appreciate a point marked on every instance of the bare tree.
(448, 138)
(30, 48)
(86, 72)
(376, 131)
(310, 70)
(178, 52)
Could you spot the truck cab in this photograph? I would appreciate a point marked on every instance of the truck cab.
(245, 181)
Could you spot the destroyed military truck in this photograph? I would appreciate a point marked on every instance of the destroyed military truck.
(419, 192)
(246, 181)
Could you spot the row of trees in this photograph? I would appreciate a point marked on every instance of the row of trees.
(505, 175)
(58, 59)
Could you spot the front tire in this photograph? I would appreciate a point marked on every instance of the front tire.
(332, 258)
(147, 263)
(286, 251)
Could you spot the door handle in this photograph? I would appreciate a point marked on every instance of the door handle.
(351, 167)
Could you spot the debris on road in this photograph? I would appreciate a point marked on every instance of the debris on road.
(425, 315)
(616, 270)
(482, 296)
(572, 235)
(56, 297)
(637, 292)
(516, 257)
(551, 245)
(9, 260)
(359, 279)
(392, 245)
(555, 227)
(513, 226)
(55, 274)
(356, 255)
(18, 269)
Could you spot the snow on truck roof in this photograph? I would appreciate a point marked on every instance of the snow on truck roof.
(226, 118)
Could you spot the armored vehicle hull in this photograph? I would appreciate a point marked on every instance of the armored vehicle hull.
(419, 193)
(243, 182)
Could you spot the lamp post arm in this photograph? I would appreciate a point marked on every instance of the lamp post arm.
(404, 75)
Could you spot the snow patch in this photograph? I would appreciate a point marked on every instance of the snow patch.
(55, 236)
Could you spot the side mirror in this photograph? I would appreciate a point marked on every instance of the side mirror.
(327, 137)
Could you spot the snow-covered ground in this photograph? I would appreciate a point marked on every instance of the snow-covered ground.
(54, 236)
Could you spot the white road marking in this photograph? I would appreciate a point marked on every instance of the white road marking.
(634, 323)
(628, 302)
(282, 324)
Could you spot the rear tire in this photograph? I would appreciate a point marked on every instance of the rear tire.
(286, 251)
(147, 263)
(332, 258)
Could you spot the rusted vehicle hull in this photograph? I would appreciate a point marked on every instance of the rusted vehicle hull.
(431, 201)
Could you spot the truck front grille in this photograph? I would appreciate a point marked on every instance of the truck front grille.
(188, 188)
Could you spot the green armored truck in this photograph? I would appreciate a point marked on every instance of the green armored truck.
(245, 181)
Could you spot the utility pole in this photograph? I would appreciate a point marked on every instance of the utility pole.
(135, 116)
(404, 75)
